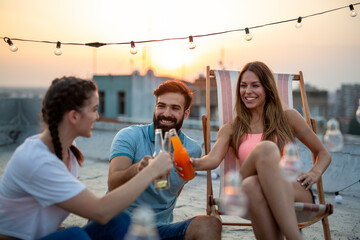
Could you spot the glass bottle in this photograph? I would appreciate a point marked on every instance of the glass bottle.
(290, 163)
(142, 225)
(233, 201)
(333, 138)
(162, 182)
(181, 156)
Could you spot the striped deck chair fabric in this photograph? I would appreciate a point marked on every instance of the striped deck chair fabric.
(226, 81)
(226, 86)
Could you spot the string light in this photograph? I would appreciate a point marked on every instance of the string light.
(58, 51)
(353, 12)
(248, 36)
(338, 197)
(192, 45)
(298, 23)
(12, 47)
(133, 50)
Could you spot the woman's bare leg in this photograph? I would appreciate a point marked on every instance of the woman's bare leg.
(264, 162)
(263, 222)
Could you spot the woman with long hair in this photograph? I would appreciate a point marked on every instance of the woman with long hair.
(258, 135)
(39, 187)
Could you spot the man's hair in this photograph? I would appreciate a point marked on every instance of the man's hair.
(175, 87)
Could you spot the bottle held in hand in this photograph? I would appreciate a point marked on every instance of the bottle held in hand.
(142, 225)
(233, 201)
(290, 163)
(162, 182)
(181, 157)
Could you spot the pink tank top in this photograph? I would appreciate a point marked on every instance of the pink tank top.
(247, 145)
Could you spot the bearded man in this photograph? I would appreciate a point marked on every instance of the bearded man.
(131, 151)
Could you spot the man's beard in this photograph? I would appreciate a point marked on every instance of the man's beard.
(166, 128)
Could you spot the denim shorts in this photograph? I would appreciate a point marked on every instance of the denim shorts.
(174, 231)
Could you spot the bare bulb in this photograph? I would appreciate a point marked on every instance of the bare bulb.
(133, 49)
(358, 113)
(338, 198)
(298, 23)
(58, 51)
(233, 200)
(290, 163)
(12, 47)
(248, 35)
(192, 45)
(333, 138)
(353, 12)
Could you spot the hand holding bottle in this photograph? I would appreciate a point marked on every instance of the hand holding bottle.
(161, 164)
(143, 163)
(181, 157)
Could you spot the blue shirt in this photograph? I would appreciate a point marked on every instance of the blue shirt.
(137, 141)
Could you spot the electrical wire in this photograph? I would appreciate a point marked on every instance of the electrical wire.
(99, 44)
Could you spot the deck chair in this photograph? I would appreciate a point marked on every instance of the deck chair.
(307, 214)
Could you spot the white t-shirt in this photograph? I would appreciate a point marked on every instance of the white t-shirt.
(33, 182)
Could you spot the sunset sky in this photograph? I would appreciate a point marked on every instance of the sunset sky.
(326, 48)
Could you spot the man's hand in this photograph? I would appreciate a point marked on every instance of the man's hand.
(143, 163)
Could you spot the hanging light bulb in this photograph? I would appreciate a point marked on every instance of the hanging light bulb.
(290, 163)
(333, 138)
(233, 201)
(358, 113)
(353, 12)
(58, 51)
(133, 50)
(298, 23)
(248, 36)
(12, 47)
(192, 45)
(338, 198)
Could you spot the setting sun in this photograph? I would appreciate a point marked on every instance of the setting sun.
(121, 22)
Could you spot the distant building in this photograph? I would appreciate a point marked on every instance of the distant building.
(199, 105)
(128, 98)
(347, 101)
(318, 105)
(22, 92)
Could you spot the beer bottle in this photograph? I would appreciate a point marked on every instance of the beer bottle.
(162, 182)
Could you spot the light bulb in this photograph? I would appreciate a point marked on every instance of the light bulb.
(248, 36)
(358, 113)
(290, 163)
(58, 51)
(298, 23)
(214, 175)
(353, 12)
(333, 138)
(12, 47)
(192, 45)
(133, 50)
(338, 198)
(233, 201)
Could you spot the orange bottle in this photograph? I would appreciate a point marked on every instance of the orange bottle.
(181, 157)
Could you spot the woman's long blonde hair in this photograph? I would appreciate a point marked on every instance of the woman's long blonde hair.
(276, 127)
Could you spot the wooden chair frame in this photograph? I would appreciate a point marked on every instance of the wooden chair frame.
(211, 205)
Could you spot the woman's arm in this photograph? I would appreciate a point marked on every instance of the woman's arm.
(306, 135)
(103, 209)
(217, 153)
